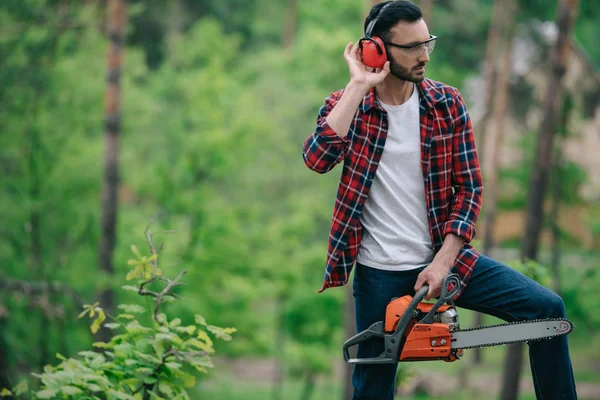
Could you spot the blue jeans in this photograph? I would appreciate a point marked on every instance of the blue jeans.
(493, 289)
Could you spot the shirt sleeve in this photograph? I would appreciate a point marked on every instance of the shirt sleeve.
(466, 176)
(324, 149)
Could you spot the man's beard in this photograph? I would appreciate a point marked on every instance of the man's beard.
(406, 74)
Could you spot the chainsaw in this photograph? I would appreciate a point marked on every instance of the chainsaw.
(417, 331)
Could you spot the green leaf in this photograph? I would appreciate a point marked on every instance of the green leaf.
(21, 388)
(161, 318)
(94, 388)
(132, 308)
(168, 299)
(46, 394)
(200, 319)
(130, 288)
(135, 250)
(189, 380)
(164, 387)
(70, 390)
(130, 363)
(221, 333)
(98, 321)
(173, 365)
(200, 345)
(159, 347)
(112, 325)
(5, 393)
(120, 395)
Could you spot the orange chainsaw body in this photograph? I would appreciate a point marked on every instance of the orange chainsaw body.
(422, 342)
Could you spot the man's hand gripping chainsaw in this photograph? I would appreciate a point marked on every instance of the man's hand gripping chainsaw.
(418, 331)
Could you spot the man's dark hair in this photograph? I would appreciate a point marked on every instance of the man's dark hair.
(395, 12)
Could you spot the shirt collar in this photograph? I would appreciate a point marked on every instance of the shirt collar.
(427, 91)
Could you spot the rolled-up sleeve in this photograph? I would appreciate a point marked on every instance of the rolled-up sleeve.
(466, 176)
(324, 149)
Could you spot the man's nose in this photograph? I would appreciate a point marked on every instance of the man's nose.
(424, 57)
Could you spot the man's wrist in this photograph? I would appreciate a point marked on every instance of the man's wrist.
(357, 87)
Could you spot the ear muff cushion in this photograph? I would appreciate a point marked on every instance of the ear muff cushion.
(371, 55)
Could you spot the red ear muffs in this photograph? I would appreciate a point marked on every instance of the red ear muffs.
(373, 52)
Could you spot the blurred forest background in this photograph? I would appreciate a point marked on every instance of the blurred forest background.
(193, 113)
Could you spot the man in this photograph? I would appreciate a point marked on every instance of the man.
(408, 199)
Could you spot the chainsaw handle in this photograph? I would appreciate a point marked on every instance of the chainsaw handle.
(374, 331)
(445, 296)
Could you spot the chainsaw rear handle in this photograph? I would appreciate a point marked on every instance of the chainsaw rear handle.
(445, 296)
(392, 342)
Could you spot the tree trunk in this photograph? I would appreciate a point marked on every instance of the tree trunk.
(117, 19)
(288, 35)
(175, 23)
(543, 156)
(426, 10)
(513, 364)
(489, 75)
(309, 386)
(349, 331)
(497, 101)
(554, 214)
(5, 379)
(278, 373)
(541, 166)
(557, 189)
(499, 113)
(369, 4)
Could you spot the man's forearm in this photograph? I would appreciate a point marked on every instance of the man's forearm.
(449, 251)
(340, 118)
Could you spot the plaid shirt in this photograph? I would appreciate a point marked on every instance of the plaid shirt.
(453, 184)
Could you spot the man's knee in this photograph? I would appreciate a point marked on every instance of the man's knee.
(552, 306)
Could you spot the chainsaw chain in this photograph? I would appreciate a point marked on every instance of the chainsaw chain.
(515, 323)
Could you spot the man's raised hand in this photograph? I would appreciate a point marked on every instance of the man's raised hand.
(359, 72)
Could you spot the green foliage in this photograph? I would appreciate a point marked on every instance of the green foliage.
(532, 269)
(155, 360)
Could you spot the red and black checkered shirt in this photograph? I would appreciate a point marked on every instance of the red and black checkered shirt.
(453, 184)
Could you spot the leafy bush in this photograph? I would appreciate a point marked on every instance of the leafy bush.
(157, 361)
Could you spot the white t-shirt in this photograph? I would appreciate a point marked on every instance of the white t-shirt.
(396, 230)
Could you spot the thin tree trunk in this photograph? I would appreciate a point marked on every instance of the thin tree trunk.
(278, 373)
(557, 166)
(426, 10)
(175, 22)
(288, 35)
(35, 226)
(349, 331)
(554, 218)
(489, 74)
(497, 101)
(309, 386)
(5, 380)
(543, 156)
(117, 19)
(369, 4)
(541, 167)
(513, 364)
(499, 112)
